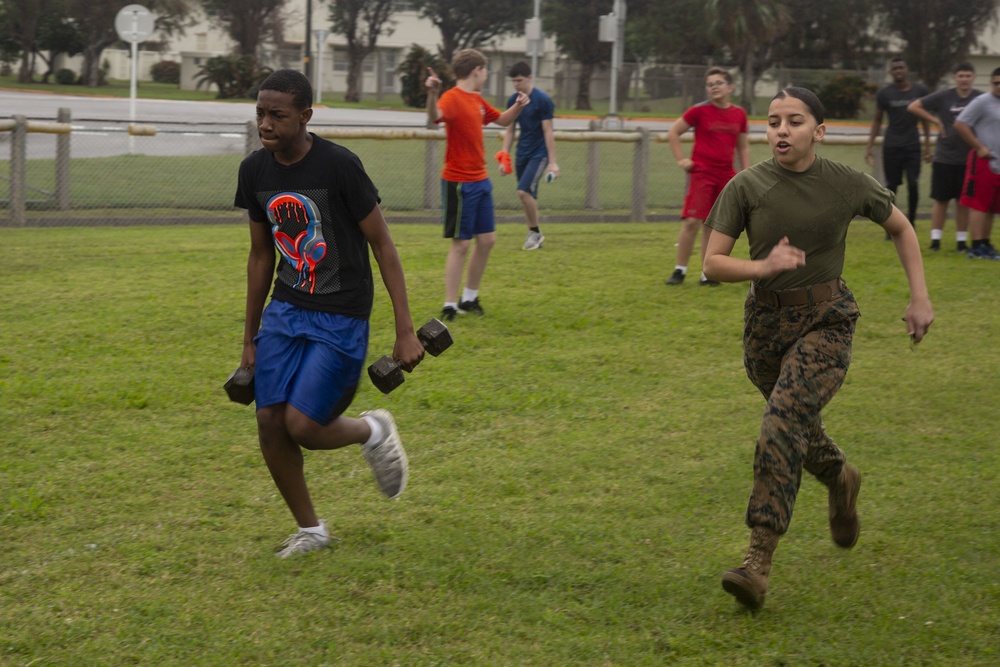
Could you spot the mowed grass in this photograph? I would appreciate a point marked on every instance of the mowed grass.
(580, 463)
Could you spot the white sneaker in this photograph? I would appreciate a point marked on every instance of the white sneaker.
(534, 241)
(303, 542)
(387, 458)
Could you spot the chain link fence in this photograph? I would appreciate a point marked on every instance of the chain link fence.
(94, 171)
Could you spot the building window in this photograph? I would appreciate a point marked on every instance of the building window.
(389, 75)
(340, 62)
(201, 41)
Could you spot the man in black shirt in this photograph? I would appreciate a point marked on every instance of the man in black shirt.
(901, 146)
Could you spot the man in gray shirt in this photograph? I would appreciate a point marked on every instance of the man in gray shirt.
(979, 126)
(901, 146)
(952, 153)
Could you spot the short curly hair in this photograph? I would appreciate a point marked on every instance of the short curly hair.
(293, 83)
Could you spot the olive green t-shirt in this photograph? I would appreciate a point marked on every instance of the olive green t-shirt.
(812, 208)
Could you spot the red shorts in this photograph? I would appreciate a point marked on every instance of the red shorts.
(703, 188)
(981, 191)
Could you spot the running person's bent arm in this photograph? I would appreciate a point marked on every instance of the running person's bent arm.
(872, 133)
(919, 313)
(513, 111)
(719, 265)
(508, 138)
(260, 273)
(679, 127)
(433, 85)
(968, 135)
(916, 107)
(408, 350)
(550, 146)
(743, 150)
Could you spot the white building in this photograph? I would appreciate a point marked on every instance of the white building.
(204, 40)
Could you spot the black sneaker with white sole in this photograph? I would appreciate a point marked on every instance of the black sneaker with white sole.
(473, 307)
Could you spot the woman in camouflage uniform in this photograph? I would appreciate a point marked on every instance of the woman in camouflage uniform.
(800, 317)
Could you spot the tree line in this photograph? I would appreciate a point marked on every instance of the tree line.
(750, 35)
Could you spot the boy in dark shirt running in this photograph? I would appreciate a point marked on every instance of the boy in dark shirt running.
(312, 201)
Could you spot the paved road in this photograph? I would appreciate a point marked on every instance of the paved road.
(202, 128)
(41, 106)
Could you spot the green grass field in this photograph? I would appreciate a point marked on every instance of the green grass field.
(580, 463)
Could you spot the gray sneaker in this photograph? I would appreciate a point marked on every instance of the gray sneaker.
(534, 241)
(303, 542)
(387, 458)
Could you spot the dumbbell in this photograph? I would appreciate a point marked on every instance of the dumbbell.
(386, 373)
(239, 386)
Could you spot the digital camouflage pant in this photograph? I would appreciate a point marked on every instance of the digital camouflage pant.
(797, 356)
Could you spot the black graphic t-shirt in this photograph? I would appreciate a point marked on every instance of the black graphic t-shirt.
(314, 208)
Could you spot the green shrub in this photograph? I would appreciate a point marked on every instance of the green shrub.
(234, 76)
(843, 95)
(65, 77)
(166, 71)
(413, 73)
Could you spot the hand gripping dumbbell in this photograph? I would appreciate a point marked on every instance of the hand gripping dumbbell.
(239, 386)
(387, 374)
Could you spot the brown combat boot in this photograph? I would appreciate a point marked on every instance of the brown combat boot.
(748, 582)
(843, 497)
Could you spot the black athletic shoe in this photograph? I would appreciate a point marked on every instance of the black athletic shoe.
(962, 246)
(448, 314)
(466, 307)
(676, 278)
(989, 252)
(935, 245)
(705, 282)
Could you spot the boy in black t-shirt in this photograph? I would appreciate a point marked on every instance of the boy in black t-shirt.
(313, 201)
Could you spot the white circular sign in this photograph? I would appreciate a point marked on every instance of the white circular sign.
(134, 23)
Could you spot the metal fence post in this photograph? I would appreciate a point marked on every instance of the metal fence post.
(252, 139)
(62, 162)
(640, 176)
(593, 171)
(432, 174)
(18, 171)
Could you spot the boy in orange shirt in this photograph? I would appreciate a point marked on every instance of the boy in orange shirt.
(466, 191)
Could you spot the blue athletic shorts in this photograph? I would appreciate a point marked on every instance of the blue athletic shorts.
(309, 359)
(530, 173)
(467, 209)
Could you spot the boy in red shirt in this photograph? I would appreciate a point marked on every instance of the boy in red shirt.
(720, 129)
(466, 191)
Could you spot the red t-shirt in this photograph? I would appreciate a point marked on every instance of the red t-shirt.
(464, 115)
(716, 132)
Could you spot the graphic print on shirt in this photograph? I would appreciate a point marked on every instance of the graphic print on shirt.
(298, 234)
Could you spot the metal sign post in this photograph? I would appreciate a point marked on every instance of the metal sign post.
(134, 23)
(535, 38)
(611, 28)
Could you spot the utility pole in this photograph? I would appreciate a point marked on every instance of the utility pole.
(308, 45)
(536, 40)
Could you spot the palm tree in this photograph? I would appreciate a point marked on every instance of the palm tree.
(748, 29)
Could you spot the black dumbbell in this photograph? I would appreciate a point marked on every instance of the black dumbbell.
(239, 386)
(387, 374)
